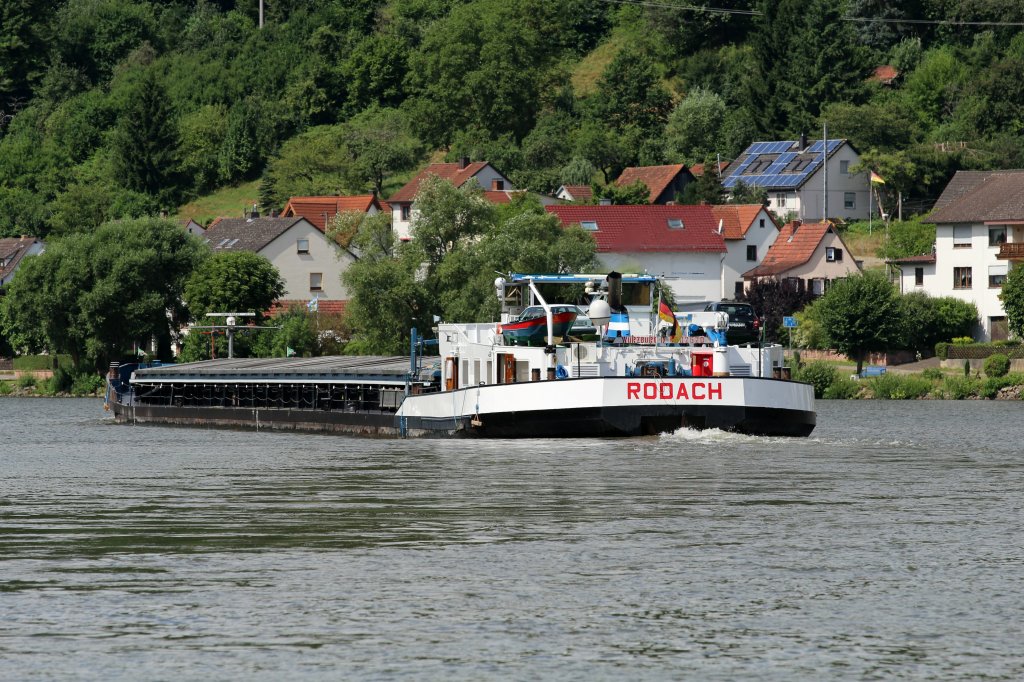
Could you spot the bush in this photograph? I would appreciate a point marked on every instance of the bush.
(942, 350)
(818, 374)
(899, 387)
(87, 384)
(963, 341)
(31, 363)
(990, 387)
(6, 387)
(997, 365)
(967, 368)
(843, 388)
(61, 381)
(932, 374)
(27, 381)
(958, 388)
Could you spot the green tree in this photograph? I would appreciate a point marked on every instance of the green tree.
(378, 143)
(695, 127)
(908, 238)
(94, 295)
(1012, 297)
(234, 281)
(146, 143)
(21, 51)
(927, 321)
(742, 193)
(634, 194)
(708, 187)
(630, 93)
(860, 314)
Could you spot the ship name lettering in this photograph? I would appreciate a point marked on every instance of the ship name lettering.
(654, 390)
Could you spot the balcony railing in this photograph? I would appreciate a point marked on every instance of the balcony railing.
(1011, 251)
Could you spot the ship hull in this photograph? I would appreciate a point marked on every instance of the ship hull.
(573, 408)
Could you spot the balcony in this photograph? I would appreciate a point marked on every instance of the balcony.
(1011, 251)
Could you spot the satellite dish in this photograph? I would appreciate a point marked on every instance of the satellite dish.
(599, 313)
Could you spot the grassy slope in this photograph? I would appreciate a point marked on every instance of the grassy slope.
(227, 202)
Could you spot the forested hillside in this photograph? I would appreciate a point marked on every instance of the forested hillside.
(117, 108)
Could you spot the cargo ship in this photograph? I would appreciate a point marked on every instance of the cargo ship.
(637, 376)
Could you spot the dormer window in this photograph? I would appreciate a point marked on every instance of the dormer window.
(675, 224)
(589, 225)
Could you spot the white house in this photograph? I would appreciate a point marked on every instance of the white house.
(310, 264)
(979, 236)
(793, 173)
(497, 188)
(749, 231)
(915, 273)
(681, 244)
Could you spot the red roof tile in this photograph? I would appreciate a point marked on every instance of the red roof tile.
(697, 169)
(657, 178)
(630, 229)
(737, 218)
(318, 210)
(580, 192)
(453, 172)
(885, 74)
(794, 246)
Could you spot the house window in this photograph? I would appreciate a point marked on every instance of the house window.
(818, 287)
(918, 277)
(589, 225)
(961, 278)
(406, 210)
(316, 281)
(499, 185)
(844, 167)
(760, 223)
(737, 291)
(961, 236)
(997, 235)
(302, 245)
(675, 224)
(997, 275)
(849, 200)
(751, 252)
(780, 200)
(833, 254)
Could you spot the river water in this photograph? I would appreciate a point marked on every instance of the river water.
(887, 545)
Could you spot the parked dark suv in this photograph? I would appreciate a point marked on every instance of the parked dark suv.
(743, 324)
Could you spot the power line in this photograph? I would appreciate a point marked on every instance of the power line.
(862, 20)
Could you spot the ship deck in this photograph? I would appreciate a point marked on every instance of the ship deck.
(376, 369)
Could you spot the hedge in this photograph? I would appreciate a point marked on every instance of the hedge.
(979, 351)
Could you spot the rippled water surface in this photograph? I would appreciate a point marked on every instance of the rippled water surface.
(888, 545)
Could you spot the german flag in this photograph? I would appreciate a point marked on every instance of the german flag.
(665, 314)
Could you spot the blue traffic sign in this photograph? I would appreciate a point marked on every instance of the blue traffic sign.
(789, 322)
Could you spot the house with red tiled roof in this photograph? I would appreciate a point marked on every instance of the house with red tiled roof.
(664, 182)
(578, 193)
(403, 212)
(318, 210)
(749, 230)
(809, 256)
(681, 244)
(885, 74)
(12, 251)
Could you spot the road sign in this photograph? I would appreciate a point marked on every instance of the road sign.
(789, 322)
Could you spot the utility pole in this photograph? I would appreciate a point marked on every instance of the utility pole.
(824, 170)
(261, 13)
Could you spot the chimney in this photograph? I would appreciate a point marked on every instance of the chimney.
(803, 141)
(463, 162)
